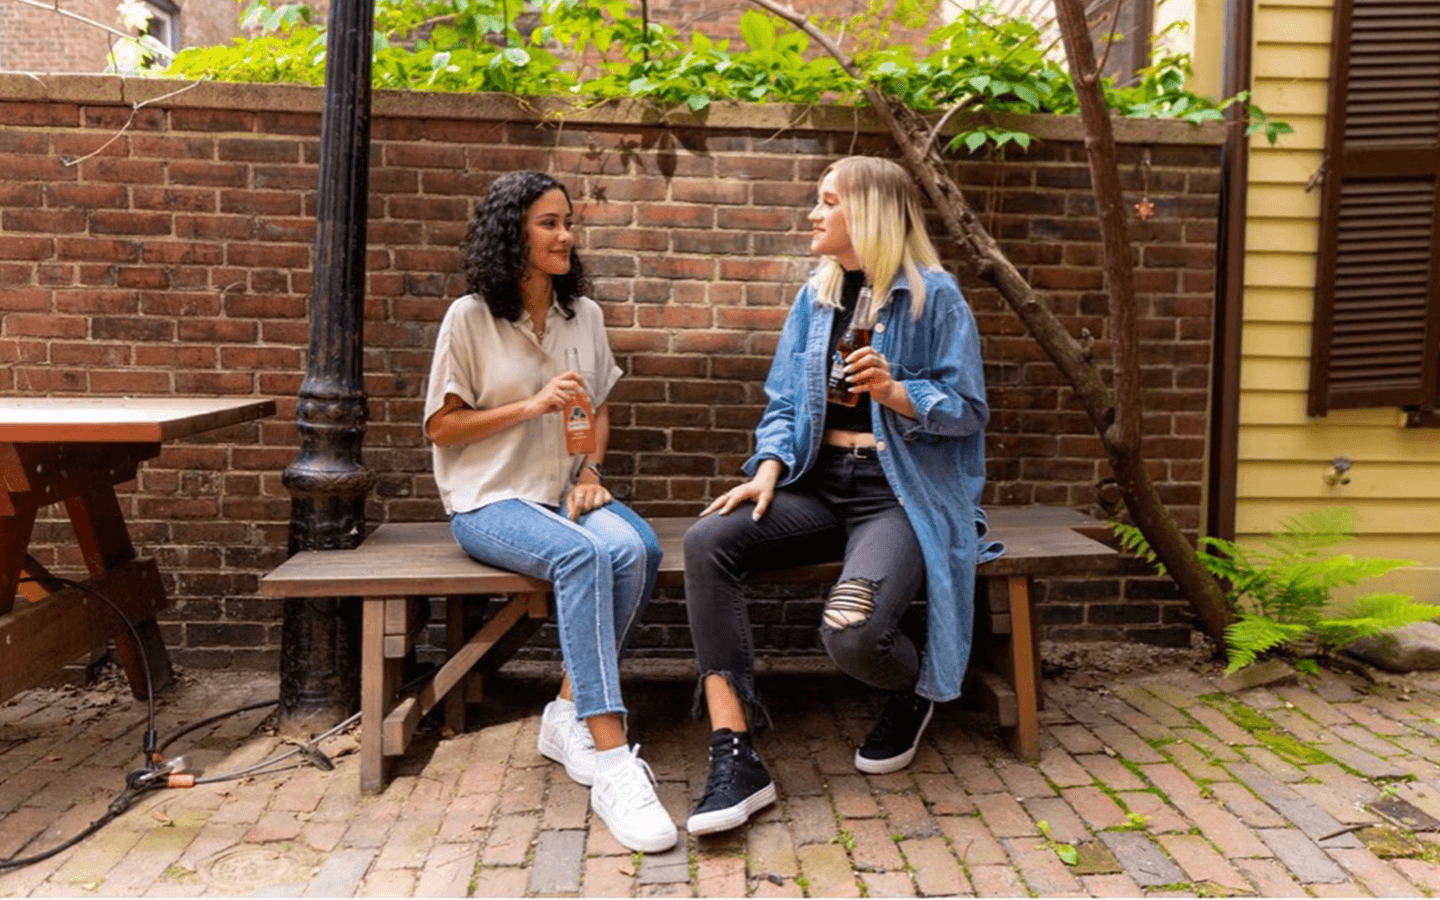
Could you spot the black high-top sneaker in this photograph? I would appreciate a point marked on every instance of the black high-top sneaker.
(736, 787)
(892, 743)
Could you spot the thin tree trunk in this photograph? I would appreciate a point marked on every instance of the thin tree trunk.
(1117, 420)
(1123, 440)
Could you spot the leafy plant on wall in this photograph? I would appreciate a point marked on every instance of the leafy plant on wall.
(598, 51)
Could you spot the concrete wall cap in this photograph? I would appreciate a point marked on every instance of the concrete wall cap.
(169, 92)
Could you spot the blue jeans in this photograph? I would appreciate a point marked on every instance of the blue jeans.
(603, 572)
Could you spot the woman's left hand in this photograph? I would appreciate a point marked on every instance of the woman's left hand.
(584, 497)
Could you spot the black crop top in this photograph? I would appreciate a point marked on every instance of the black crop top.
(857, 417)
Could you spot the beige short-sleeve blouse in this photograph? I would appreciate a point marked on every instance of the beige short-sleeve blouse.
(489, 362)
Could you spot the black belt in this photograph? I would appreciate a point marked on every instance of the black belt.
(857, 452)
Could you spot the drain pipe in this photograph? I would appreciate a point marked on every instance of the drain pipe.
(1224, 449)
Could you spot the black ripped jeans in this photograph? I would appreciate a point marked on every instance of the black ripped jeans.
(843, 504)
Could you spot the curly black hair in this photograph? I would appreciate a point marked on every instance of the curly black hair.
(496, 251)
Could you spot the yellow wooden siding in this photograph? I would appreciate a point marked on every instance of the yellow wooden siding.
(1394, 517)
(1284, 479)
(1282, 270)
(1282, 407)
(1207, 32)
(1283, 164)
(1277, 235)
(1284, 454)
(1283, 303)
(1365, 441)
(1278, 339)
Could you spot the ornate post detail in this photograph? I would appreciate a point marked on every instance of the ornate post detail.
(328, 482)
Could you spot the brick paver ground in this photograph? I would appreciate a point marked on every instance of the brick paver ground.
(1150, 784)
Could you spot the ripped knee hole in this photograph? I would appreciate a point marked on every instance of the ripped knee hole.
(851, 602)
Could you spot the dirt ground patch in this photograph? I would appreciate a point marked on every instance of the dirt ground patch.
(1064, 659)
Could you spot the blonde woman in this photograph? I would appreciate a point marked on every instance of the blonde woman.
(891, 483)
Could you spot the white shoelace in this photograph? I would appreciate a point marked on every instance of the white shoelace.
(634, 784)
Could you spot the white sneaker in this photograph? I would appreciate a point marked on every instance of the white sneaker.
(567, 740)
(624, 797)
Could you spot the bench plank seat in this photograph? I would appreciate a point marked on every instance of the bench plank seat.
(403, 562)
(417, 558)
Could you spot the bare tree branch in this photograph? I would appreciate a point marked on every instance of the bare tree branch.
(911, 134)
(1124, 438)
(1116, 419)
(134, 109)
(1110, 34)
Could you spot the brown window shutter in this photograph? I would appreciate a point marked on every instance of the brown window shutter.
(1376, 339)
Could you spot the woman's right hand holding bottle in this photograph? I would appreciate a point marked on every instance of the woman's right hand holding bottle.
(561, 390)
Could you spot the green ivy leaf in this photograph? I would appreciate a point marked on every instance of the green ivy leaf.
(1027, 94)
(997, 57)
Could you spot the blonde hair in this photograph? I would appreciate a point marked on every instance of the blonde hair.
(887, 230)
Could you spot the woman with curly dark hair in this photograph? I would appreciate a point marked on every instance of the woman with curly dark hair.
(519, 500)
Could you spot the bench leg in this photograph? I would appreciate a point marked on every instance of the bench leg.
(1025, 668)
(454, 640)
(377, 690)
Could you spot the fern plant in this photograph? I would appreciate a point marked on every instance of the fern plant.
(1280, 591)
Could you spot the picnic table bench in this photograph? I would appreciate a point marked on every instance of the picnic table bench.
(398, 568)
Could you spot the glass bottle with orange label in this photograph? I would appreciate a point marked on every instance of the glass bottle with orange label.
(578, 416)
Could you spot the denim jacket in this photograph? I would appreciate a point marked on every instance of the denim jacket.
(935, 463)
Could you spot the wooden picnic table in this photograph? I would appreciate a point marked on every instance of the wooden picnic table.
(75, 451)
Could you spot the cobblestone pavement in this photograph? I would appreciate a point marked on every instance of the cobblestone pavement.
(1150, 784)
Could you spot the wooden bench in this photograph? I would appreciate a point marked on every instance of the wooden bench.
(400, 566)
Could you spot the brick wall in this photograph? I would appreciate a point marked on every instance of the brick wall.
(174, 259)
(40, 40)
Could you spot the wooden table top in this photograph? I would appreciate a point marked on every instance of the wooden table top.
(25, 420)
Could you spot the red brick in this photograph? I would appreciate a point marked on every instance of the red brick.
(33, 114)
(43, 326)
(130, 382)
(26, 247)
(1095, 807)
(105, 221)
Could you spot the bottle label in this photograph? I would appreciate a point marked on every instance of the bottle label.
(579, 433)
(839, 390)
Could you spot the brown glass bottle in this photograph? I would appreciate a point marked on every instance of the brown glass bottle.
(839, 388)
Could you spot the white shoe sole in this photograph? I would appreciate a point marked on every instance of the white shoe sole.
(894, 763)
(655, 844)
(734, 816)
